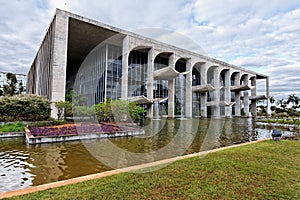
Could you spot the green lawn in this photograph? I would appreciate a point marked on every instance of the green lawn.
(13, 127)
(265, 170)
(293, 120)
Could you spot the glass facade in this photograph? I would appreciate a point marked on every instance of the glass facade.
(137, 73)
(160, 87)
(99, 76)
(180, 85)
(114, 72)
(196, 100)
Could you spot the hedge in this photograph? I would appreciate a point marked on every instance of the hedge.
(24, 108)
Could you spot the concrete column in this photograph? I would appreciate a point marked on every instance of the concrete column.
(150, 80)
(237, 97)
(203, 97)
(216, 108)
(188, 91)
(246, 98)
(237, 103)
(253, 93)
(246, 104)
(228, 109)
(268, 96)
(59, 65)
(171, 90)
(125, 55)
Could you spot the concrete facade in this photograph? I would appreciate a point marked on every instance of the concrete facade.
(101, 62)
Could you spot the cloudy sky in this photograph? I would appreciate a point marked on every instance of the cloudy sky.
(259, 35)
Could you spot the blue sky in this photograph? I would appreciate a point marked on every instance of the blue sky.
(259, 35)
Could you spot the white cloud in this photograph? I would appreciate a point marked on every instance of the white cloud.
(259, 35)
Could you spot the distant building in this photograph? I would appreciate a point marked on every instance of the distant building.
(21, 78)
(78, 53)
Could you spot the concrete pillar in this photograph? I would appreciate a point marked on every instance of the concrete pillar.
(246, 103)
(171, 90)
(125, 55)
(188, 91)
(237, 96)
(150, 80)
(228, 109)
(246, 97)
(268, 96)
(59, 65)
(253, 93)
(203, 97)
(216, 108)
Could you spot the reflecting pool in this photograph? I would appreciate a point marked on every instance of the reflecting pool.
(23, 165)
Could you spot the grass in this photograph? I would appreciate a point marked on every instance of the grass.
(265, 170)
(281, 121)
(12, 127)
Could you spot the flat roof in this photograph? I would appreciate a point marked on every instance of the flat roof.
(113, 29)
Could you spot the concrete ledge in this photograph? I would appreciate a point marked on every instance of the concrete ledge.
(30, 139)
(113, 172)
(12, 135)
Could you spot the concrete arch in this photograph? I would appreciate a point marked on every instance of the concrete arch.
(210, 74)
(163, 54)
(235, 77)
(223, 76)
(197, 75)
(244, 78)
(139, 47)
(209, 67)
(181, 65)
(251, 76)
(137, 71)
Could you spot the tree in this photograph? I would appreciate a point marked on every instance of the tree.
(76, 98)
(292, 98)
(60, 105)
(1, 92)
(21, 88)
(64, 109)
(282, 103)
(10, 87)
(272, 100)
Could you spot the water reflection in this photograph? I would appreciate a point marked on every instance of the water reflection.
(22, 166)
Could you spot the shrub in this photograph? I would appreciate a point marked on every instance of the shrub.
(118, 110)
(13, 127)
(24, 108)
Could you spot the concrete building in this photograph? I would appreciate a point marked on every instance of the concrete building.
(101, 62)
(21, 78)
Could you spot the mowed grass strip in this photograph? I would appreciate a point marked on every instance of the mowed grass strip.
(265, 170)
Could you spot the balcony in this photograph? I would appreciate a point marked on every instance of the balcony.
(203, 88)
(238, 88)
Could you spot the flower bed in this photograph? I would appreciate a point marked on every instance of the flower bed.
(76, 129)
(81, 131)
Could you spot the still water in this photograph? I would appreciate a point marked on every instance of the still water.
(23, 166)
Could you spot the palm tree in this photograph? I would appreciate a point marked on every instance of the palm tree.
(282, 103)
(292, 98)
(272, 100)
